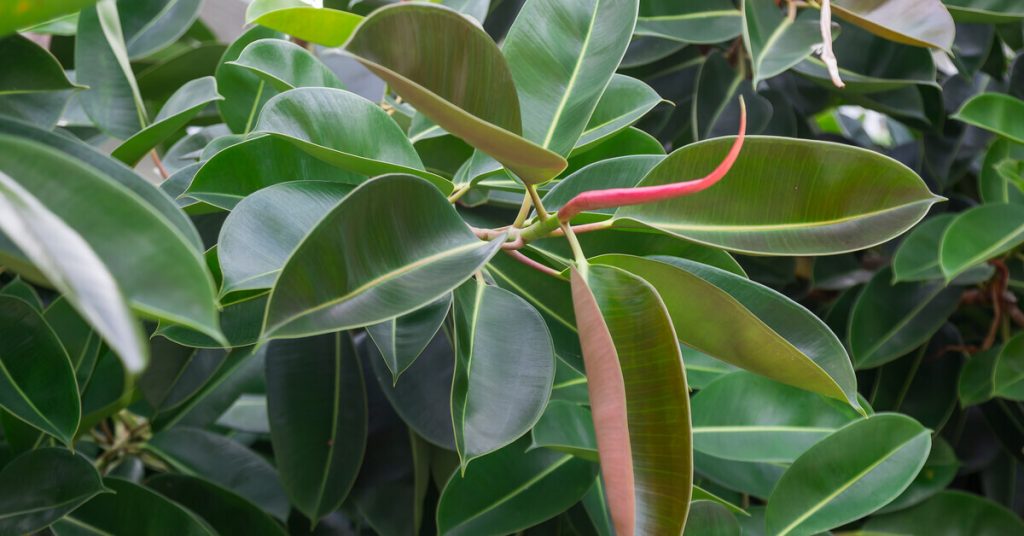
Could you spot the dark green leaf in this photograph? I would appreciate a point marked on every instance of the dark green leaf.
(285, 65)
(705, 22)
(950, 513)
(567, 427)
(708, 518)
(131, 509)
(29, 68)
(42, 486)
(16, 16)
(979, 234)
(994, 112)
(244, 92)
(225, 511)
(775, 41)
(401, 340)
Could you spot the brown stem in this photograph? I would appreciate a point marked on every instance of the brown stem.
(997, 288)
(532, 263)
(159, 164)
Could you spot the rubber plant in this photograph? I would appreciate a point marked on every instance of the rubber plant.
(487, 267)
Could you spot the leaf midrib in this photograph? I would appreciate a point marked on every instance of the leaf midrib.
(573, 78)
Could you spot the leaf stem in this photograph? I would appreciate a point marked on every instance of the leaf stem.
(159, 164)
(524, 211)
(577, 250)
(459, 192)
(537, 204)
(517, 255)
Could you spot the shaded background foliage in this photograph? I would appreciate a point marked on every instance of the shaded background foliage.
(208, 440)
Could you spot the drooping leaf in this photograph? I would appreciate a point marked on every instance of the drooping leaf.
(489, 357)
(859, 198)
(947, 514)
(264, 228)
(345, 130)
(179, 110)
(843, 477)
(42, 486)
(131, 509)
(775, 41)
(759, 329)
(922, 23)
(224, 510)
(164, 277)
(244, 92)
(72, 267)
(17, 16)
(748, 418)
(451, 71)
(323, 26)
(401, 340)
(698, 22)
(316, 402)
(639, 399)
(562, 55)
(996, 113)
(512, 489)
(30, 68)
(979, 234)
(623, 102)
(380, 268)
(285, 65)
(891, 319)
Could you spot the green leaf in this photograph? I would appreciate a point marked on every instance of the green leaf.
(225, 511)
(715, 109)
(921, 23)
(512, 489)
(158, 81)
(748, 325)
(939, 471)
(856, 198)
(43, 486)
(152, 25)
(18, 288)
(843, 477)
(240, 321)
(562, 56)
(618, 172)
(16, 16)
(639, 397)
(745, 417)
(993, 186)
(378, 268)
(262, 161)
(323, 26)
(991, 11)
(753, 478)
(131, 509)
(73, 268)
(775, 41)
(224, 462)
(345, 130)
(401, 340)
(264, 229)
(179, 110)
(566, 427)
(709, 518)
(994, 112)
(244, 92)
(489, 357)
(316, 401)
(979, 234)
(704, 22)
(917, 259)
(891, 319)
(451, 71)
(29, 68)
(38, 381)
(623, 103)
(112, 101)
(285, 65)
(950, 513)
(997, 372)
(164, 277)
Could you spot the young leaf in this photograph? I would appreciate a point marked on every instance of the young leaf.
(285, 65)
(979, 234)
(623, 102)
(41, 486)
(454, 74)
(639, 399)
(244, 92)
(491, 358)
(843, 478)
(994, 112)
(369, 269)
(316, 402)
(323, 26)
(401, 340)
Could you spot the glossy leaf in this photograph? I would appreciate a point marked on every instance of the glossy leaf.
(490, 357)
(18, 16)
(512, 489)
(939, 471)
(285, 65)
(843, 478)
(481, 107)
(164, 278)
(642, 427)
(994, 112)
(50, 483)
(152, 25)
(179, 110)
(316, 401)
(620, 172)
(401, 340)
(985, 10)
(264, 229)
(224, 462)
(323, 26)
(922, 23)
(950, 513)
(38, 382)
(711, 519)
(980, 234)
(715, 109)
(745, 417)
(345, 130)
(917, 259)
(775, 41)
(418, 255)
(244, 92)
(759, 329)
(562, 55)
(997, 372)
(702, 23)
(623, 102)
(131, 509)
(29, 68)
(225, 511)
(891, 319)
(567, 427)
(755, 207)
(72, 267)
